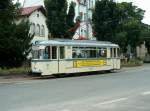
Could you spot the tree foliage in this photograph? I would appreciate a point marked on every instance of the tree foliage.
(130, 18)
(70, 19)
(58, 20)
(146, 35)
(118, 22)
(56, 17)
(104, 20)
(15, 40)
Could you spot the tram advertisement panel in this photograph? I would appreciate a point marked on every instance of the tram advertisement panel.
(87, 63)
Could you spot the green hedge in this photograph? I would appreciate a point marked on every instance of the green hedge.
(20, 70)
(131, 63)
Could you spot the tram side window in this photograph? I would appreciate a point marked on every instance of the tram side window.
(111, 52)
(47, 54)
(84, 52)
(115, 52)
(102, 52)
(62, 53)
(118, 52)
(54, 52)
(93, 53)
(76, 53)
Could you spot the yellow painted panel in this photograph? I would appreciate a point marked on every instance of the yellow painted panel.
(87, 63)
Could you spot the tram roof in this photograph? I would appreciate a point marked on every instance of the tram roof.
(61, 42)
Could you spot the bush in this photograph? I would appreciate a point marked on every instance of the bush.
(132, 63)
(11, 71)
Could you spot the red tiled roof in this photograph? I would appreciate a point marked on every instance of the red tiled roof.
(29, 10)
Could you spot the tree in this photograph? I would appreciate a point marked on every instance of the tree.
(118, 22)
(130, 18)
(70, 20)
(15, 40)
(145, 35)
(56, 17)
(104, 20)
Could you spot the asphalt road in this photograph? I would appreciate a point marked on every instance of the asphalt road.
(127, 90)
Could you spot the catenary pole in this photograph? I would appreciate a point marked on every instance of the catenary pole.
(87, 21)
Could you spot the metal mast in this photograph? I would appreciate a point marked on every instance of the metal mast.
(87, 19)
(79, 14)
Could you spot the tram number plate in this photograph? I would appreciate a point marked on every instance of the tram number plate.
(87, 63)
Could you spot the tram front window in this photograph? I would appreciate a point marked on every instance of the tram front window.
(50, 52)
(118, 52)
(44, 53)
(37, 54)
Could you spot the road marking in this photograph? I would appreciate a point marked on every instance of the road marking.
(146, 93)
(65, 110)
(14, 83)
(112, 101)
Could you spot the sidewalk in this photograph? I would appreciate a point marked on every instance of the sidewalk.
(144, 66)
(14, 78)
(24, 77)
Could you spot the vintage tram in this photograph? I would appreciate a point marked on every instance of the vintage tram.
(73, 56)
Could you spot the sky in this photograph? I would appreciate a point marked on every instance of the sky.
(143, 4)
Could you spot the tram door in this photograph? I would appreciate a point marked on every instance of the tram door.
(113, 57)
(53, 66)
(58, 55)
(61, 56)
(64, 64)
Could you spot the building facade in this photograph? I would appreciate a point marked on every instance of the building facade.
(37, 17)
(142, 52)
(83, 8)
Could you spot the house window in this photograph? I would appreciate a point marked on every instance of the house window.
(38, 30)
(83, 2)
(81, 15)
(82, 32)
(37, 15)
(85, 16)
(42, 30)
(32, 28)
(85, 32)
